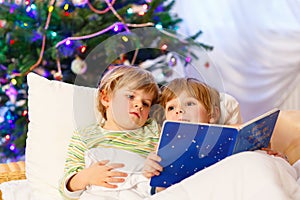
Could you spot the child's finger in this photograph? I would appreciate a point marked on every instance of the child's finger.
(115, 165)
(103, 162)
(151, 174)
(114, 180)
(117, 174)
(154, 156)
(108, 185)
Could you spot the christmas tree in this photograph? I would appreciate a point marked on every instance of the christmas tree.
(54, 38)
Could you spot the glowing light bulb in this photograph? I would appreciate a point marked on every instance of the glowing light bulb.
(12, 147)
(24, 113)
(129, 10)
(33, 6)
(13, 81)
(141, 13)
(83, 49)
(116, 28)
(7, 137)
(145, 6)
(125, 39)
(50, 9)
(53, 34)
(158, 26)
(188, 59)
(66, 6)
(164, 47)
(28, 9)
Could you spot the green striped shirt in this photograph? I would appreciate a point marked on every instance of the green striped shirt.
(141, 141)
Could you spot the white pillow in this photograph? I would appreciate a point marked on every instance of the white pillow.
(55, 109)
(230, 110)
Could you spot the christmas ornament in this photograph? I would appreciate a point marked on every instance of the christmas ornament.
(78, 66)
(58, 76)
(2, 23)
(172, 60)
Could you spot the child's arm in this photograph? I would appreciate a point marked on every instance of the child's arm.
(97, 174)
(77, 177)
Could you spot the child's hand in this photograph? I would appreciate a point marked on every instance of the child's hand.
(100, 173)
(275, 153)
(151, 167)
(103, 174)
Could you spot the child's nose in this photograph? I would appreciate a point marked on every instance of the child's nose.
(138, 105)
(179, 111)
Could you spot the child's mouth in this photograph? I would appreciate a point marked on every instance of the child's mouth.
(135, 113)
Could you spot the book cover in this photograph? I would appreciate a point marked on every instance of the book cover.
(186, 148)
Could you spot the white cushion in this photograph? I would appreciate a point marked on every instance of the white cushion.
(230, 110)
(55, 109)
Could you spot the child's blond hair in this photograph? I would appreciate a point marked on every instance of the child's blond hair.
(216, 108)
(134, 78)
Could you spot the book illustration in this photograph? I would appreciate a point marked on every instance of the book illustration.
(186, 148)
(257, 133)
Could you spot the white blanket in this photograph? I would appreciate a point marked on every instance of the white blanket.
(248, 175)
(244, 176)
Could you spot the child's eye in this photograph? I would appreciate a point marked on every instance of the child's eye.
(170, 108)
(145, 104)
(130, 96)
(190, 103)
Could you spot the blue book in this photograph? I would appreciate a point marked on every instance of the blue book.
(186, 148)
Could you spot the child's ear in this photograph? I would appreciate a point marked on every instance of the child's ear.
(215, 115)
(104, 98)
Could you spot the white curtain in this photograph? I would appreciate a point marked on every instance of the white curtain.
(256, 47)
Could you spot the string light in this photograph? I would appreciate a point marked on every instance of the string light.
(116, 28)
(164, 47)
(141, 13)
(159, 26)
(24, 113)
(130, 11)
(18, 2)
(50, 9)
(68, 42)
(11, 42)
(66, 6)
(12, 147)
(188, 59)
(145, 7)
(7, 137)
(124, 38)
(82, 49)
(53, 34)
(33, 6)
(13, 81)
(28, 9)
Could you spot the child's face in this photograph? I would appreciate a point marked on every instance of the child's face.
(186, 108)
(128, 109)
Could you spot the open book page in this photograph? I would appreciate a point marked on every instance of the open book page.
(256, 133)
